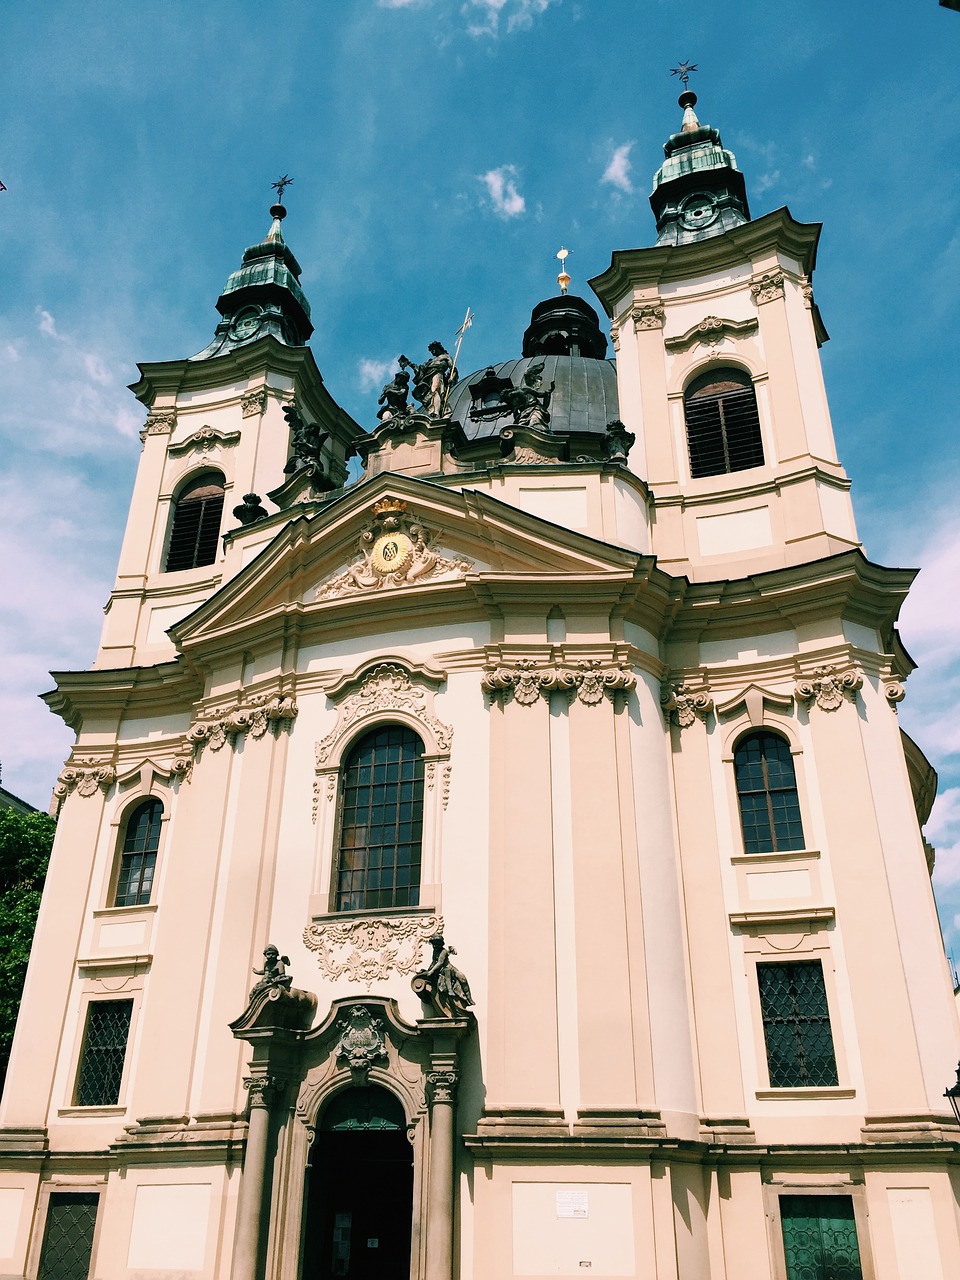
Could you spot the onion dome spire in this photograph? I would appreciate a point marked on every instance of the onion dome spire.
(698, 191)
(264, 295)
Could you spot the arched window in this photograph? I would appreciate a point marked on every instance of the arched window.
(196, 523)
(381, 821)
(767, 792)
(138, 857)
(723, 425)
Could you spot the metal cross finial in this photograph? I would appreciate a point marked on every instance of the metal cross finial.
(279, 185)
(683, 71)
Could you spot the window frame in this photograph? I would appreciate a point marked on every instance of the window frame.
(193, 479)
(795, 961)
(55, 1186)
(86, 1108)
(755, 731)
(787, 1186)
(693, 389)
(123, 828)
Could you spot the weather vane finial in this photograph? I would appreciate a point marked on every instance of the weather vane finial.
(683, 71)
(563, 279)
(279, 185)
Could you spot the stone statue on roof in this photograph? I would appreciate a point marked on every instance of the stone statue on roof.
(433, 380)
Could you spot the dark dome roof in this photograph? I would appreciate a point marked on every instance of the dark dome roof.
(584, 397)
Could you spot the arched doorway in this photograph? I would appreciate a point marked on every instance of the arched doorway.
(359, 1192)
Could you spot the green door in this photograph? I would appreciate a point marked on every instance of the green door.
(820, 1238)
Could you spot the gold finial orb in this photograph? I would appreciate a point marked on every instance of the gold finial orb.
(563, 279)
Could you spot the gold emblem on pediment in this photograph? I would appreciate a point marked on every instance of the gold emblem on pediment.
(394, 550)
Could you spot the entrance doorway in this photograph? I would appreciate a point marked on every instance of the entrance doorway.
(359, 1190)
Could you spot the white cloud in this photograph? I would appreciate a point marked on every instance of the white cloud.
(400, 4)
(617, 172)
(520, 14)
(501, 187)
(374, 373)
(47, 324)
(766, 181)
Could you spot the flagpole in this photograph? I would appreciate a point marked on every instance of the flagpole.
(467, 322)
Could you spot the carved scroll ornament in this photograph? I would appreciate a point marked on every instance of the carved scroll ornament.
(361, 1044)
(768, 287)
(217, 726)
(648, 317)
(387, 687)
(253, 402)
(588, 681)
(894, 692)
(86, 778)
(159, 423)
(204, 439)
(369, 950)
(828, 687)
(683, 703)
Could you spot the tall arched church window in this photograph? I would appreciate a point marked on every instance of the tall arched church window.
(381, 821)
(723, 424)
(767, 793)
(196, 523)
(138, 856)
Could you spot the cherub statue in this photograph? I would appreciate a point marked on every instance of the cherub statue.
(393, 397)
(528, 402)
(274, 971)
(447, 986)
(432, 380)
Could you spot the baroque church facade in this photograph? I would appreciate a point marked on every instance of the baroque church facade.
(546, 786)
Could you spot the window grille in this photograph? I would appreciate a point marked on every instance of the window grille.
(381, 821)
(138, 859)
(796, 1025)
(820, 1238)
(68, 1237)
(767, 794)
(196, 524)
(103, 1053)
(723, 425)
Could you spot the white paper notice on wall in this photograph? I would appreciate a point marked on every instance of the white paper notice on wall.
(572, 1204)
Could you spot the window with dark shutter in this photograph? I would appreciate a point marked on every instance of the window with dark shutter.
(103, 1053)
(138, 859)
(381, 821)
(723, 424)
(796, 1024)
(68, 1235)
(195, 531)
(767, 794)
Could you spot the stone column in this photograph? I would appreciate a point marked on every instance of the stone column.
(442, 1092)
(263, 1090)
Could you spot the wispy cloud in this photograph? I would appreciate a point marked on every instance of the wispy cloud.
(766, 181)
(519, 15)
(501, 184)
(372, 374)
(617, 172)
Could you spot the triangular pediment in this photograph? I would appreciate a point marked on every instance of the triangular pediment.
(398, 543)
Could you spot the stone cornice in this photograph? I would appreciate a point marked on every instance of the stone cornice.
(160, 689)
(647, 268)
(711, 330)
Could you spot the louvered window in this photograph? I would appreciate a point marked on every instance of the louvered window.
(796, 1024)
(103, 1053)
(381, 821)
(196, 524)
(767, 794)
(68, 1237)
(138, 859)
(723, 425)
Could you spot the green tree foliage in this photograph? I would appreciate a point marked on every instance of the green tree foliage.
(25, 840)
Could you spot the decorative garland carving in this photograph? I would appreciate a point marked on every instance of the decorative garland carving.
(768, 287)
(648, 317)
(203, 440)
(682, 703)
(894, 692)
(587, 680)
(86, 779)
(828, 687)
(386, 687)
(361, 1044)
(160, 423)
(216, 726)
(710, 332)
(369, 950)
(253, 402)
(394, 551)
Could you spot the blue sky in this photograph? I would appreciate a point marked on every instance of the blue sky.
(442, 150)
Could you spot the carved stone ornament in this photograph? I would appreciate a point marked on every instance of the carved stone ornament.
(216, 726)
(86, 778)
(442, 1086)
(253, 402)
(682, 703)
(648, 317)
(361, 1044)
(894, 692)
(768, 287)
(387, 687)
(204, 440)
(159, 423)
(394, 551)
(710, 332)
(369, 950)
(264, 1091)
(828, 687)
(528, 680)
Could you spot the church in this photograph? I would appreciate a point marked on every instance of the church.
(489, 847)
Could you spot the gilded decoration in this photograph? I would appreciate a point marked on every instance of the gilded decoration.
(203, 440)
(368, 950)
(216, 726)
(253, 402)
(86, 778)
(683, 703)
(394, 551)
(160, 423)
(828, 687)
(361, 1044)
(768, 287)
(587, 680)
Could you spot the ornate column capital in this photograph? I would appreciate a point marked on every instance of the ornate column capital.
(894, 692)
(587, 680)
(442, 1086)
(160, 422)
(265, 1091)
(828, 687)
(767, 287)
(253, 402)
(649, 315)
(683, 703)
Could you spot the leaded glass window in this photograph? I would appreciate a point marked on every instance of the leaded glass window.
(796, 1024)
(381, 821)
(820, 1238)
(196, 524)
(723, 424)
(103, 1053)
(68, 1238)
(138, 858)
(767, 793)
